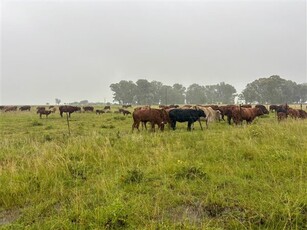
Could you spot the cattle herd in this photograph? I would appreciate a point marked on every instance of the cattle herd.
(172, 114)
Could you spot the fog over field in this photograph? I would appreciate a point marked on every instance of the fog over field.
(74, 49)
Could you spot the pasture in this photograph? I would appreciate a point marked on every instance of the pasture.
(103, 176)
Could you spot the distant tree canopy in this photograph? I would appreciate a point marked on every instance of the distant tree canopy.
(275, 90)
(144, 92)
(272, 90)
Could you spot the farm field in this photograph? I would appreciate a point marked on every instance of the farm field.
(104, 176)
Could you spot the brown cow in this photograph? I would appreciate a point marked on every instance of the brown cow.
(68, 109)
(154, 116)
(226, 110)
(107, 107)
(302, 113)
(43, 111)
(281, 116)
(293, 113)
(10, 108)
(248, 114)
(246, 106)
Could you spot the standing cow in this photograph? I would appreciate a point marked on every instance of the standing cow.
(68, 109)
(183, 115)
(25, 107)
(154, 116)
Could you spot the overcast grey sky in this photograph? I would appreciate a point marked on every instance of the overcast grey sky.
(74, 49)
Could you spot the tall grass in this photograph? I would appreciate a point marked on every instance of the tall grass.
(104, 176)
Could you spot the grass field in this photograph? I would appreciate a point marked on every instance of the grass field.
(103, 176)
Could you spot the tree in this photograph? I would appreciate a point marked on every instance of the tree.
(57, 101)
(156, 87)
(124, 92)
(225, 93)
(179, 94)
(273, 90)
(144, 92)
(195, 94)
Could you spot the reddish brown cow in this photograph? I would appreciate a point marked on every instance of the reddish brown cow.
(227, 111)
(246, 106)
(293, 113)
(154, 116)
(247, 114)
(302, 113)
(68, 109)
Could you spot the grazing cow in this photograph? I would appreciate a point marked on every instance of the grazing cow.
(99, 111)
(248, 114)
(263, 109)
(183, 115)
(10, 108)
(154, 116)
(107, 107)
(43, 111)
(126, 106)
(68, 109)
(211, 114)
(25, 107)
(88, 108)
(302, 113)
(125, 112)
(281, 115)
(40, 107)
(282, 112)
(293, 113)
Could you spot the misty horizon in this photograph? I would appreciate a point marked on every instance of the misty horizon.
(74, 50)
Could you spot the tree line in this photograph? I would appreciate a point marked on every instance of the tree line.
(144, 92)
(264, 90)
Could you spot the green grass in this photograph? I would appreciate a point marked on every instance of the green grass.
(103, 176)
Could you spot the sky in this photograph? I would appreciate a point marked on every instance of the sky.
(74, 49)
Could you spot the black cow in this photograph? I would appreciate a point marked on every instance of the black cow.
(183, 115)
(25, 107)
(263, 109)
